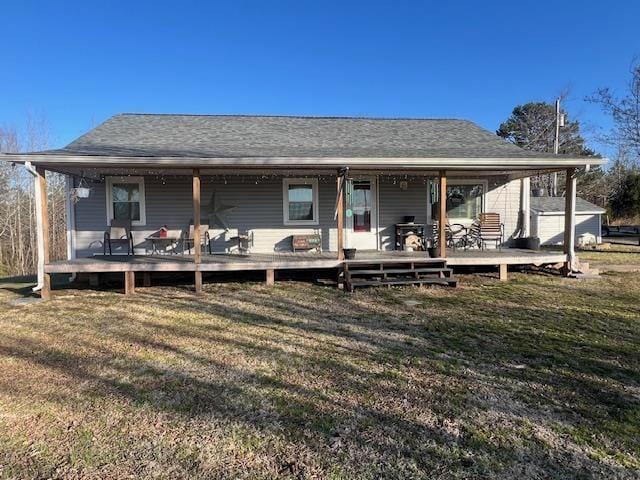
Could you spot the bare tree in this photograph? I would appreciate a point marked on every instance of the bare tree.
(17, 216)
(625, 112)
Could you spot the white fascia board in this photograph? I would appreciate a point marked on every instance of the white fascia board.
(308, 162)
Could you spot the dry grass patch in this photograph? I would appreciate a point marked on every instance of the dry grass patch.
(535, 378)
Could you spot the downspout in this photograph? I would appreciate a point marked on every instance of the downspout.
(39, 240)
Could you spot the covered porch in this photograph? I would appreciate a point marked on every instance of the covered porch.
(340, 219)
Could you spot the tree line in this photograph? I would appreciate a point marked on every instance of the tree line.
(18, 253)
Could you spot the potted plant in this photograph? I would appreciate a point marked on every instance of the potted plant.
(431, 247)
(349, 253)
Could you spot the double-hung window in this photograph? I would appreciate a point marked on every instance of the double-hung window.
(300, 201)
(125, 200)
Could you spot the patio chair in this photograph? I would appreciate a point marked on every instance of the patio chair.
(487, 228)
(455, 234)
(118, 234)
(188, 240)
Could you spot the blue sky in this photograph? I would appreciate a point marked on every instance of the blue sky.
(80, 62)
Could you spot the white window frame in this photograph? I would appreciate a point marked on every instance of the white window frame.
(468, 181)
(136, 180)
(285, 200)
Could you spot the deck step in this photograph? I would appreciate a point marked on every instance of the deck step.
(399, 270)
(371, 274)
(447, 282)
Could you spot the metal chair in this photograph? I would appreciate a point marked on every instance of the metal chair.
(188, 240)
(455, 234)
(118, 233)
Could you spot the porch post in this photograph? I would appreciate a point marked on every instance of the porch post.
(442, 215)
(197, 258)
(340, 213)
(570, 220)
(42, 232)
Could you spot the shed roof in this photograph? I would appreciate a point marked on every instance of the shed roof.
(556, 205)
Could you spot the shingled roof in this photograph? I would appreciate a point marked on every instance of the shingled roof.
(223, 136)
(131, 140)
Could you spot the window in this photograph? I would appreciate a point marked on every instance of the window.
(465, 199)
(300, 206)
(125, 199)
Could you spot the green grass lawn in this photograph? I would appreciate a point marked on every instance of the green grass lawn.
(535, 378)
(617, 255)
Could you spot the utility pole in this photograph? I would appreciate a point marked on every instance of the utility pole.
(556, 145)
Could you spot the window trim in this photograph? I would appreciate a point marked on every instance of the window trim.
(285, 200)
(469, 181)
(109, 196)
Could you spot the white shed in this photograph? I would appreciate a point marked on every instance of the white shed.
(547, 220)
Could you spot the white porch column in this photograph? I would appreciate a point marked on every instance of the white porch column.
(42, 231)
(525, 204)
(570, 220)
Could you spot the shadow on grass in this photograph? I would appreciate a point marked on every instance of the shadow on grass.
(386, 380)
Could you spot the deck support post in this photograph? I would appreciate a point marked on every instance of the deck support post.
(198, 282)
(570, 221)
(503, 275)
(442, 215)
(270, 275)
(129, 282)
(340, 184)
(197, 257)
(42, 230)
(146, 279)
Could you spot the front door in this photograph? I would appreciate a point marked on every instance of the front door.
(362, 217)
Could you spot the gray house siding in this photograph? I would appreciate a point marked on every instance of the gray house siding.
(258, 207)
(503, 197)
(258, 203)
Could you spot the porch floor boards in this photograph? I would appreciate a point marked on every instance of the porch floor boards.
(291, 261)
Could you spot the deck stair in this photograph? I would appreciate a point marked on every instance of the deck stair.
(397, 272)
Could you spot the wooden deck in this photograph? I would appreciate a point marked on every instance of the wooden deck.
(291, 261)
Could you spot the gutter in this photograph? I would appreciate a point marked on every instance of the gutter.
(398, 163)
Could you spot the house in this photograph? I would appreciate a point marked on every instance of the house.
(547, 220)
(350, 182)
